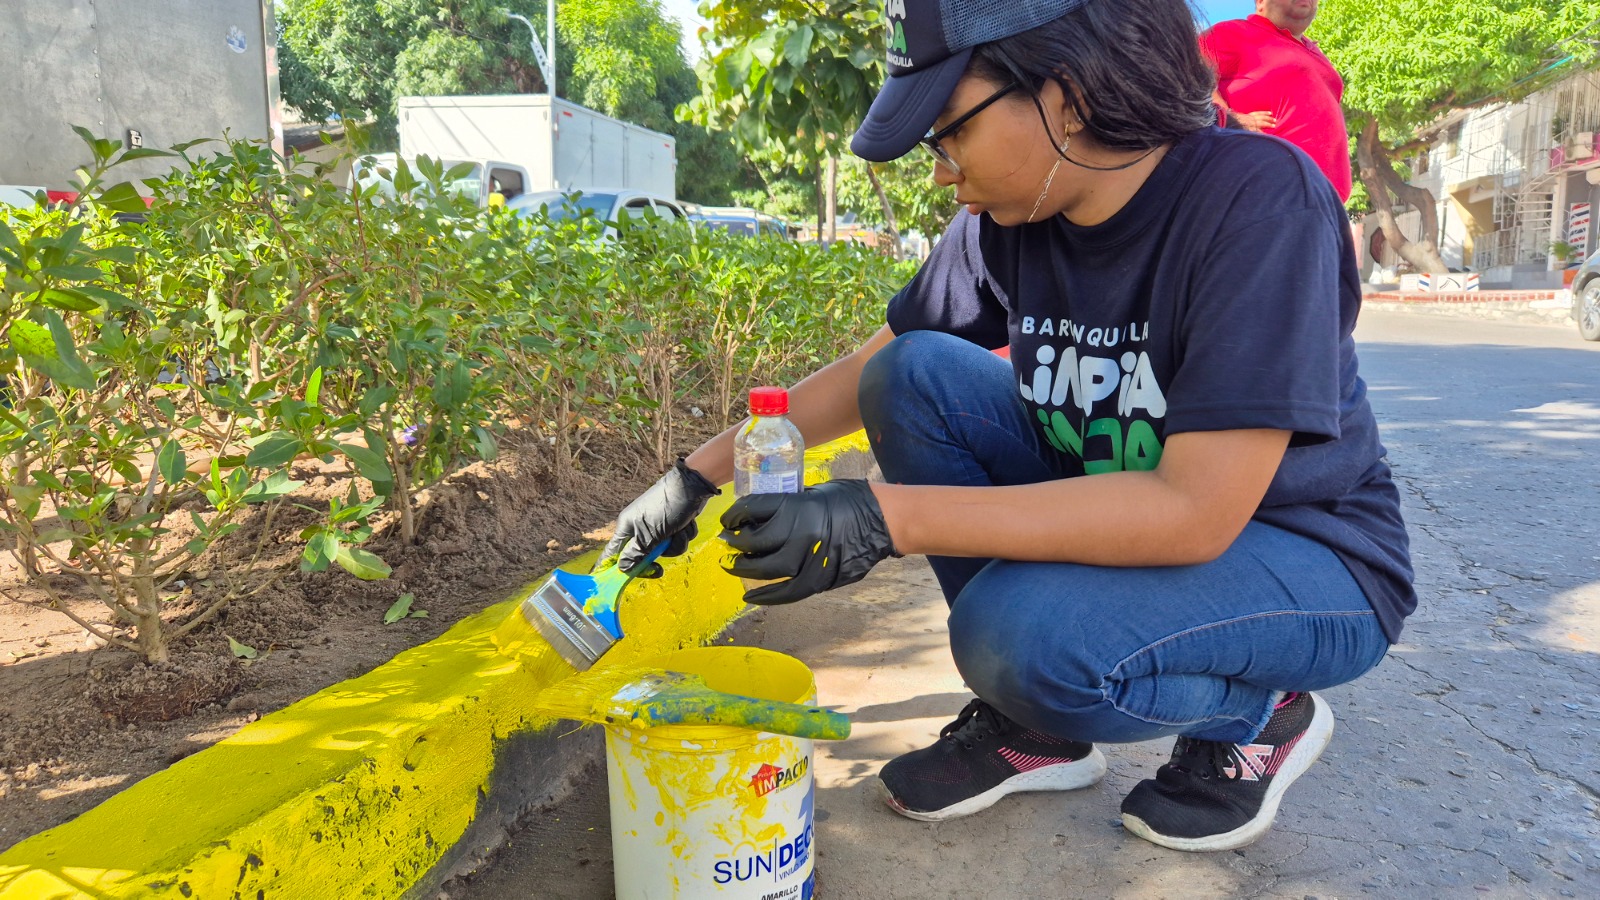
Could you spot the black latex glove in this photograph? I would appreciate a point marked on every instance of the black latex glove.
(667, 510)
(819, 539)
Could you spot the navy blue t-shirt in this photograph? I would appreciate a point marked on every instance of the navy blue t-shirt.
(1222, 296)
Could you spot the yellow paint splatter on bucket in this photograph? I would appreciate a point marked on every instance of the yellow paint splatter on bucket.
(710, 810)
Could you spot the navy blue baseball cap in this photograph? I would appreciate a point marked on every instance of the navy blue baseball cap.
(930, 42)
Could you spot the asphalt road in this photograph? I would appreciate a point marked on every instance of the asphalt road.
(1466, 765)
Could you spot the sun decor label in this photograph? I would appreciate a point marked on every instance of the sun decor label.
(784, 864)
(785, 857)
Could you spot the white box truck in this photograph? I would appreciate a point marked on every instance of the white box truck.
(569, 147)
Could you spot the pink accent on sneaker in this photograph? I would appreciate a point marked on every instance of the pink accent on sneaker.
(1287, 699)
(1259, 760)
(1023, 762)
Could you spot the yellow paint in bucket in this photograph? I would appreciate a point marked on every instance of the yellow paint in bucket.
(712, 810)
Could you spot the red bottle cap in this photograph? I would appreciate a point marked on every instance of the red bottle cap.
(769, 401)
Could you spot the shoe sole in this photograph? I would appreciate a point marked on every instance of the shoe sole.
(1070, 776)
(1316, 739)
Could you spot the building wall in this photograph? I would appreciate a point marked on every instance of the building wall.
(174, 70)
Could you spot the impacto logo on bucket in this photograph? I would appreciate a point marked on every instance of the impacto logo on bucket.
(716, 812)
(769, 778)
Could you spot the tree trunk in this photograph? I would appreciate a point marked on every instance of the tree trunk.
(822, 204)
(149, 629)
(833, 199)
(1384, 186)
(402, 493)
(888, 211)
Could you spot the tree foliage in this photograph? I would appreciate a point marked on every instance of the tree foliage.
(795, 78)
(1405, 62)
(789, 73)
(620, 57)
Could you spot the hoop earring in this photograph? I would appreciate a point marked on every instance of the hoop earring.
(1045, 192)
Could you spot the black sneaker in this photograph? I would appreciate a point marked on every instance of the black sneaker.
(1216, 796)
(979, 758)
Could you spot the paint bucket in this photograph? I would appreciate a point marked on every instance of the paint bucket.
(711, 810)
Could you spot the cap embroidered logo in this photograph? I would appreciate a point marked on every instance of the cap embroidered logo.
(896, 14)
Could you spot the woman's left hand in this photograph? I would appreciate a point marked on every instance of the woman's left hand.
(822, 538)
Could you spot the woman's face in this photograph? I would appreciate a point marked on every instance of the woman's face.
(1005, 152)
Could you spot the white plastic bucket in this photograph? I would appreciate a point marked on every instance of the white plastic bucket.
(714, 811)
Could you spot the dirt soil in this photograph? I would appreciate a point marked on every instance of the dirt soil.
(80, 722)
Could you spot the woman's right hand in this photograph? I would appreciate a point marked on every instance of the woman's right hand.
(1256, 121)
(666, 511)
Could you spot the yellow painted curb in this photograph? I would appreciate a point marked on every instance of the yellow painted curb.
(359, 790)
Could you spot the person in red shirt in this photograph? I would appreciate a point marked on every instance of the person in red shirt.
(1271, 79)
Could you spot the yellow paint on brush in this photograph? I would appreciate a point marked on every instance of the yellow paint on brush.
(359, 790)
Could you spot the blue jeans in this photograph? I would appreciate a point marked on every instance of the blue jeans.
(1100, 653)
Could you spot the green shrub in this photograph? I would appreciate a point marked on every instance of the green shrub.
(259, 316)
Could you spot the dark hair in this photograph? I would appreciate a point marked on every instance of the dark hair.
(1135, 64)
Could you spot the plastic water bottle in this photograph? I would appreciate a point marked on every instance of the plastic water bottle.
(769, 455)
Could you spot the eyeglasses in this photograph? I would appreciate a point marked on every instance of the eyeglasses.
(932, 138)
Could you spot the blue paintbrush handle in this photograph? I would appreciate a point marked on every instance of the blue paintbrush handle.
(605, 607)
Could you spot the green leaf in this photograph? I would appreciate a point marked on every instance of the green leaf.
(129, 472)
(363, 564)
(172, 463)
(484, 443)
(274, 449)
(400, 609)
(123, 197)
(124, 255)
(70, 300)
(28, 498)
(321, 550)
(142, 153)
(374, 400)
(50, 351)
(241, 651)
(370, 464)
(314, 387)
(798, 47)
(271, 488)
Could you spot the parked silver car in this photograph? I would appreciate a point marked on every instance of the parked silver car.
(1586, 298)
(611, 206)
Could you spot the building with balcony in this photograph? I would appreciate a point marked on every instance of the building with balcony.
(1513, 182)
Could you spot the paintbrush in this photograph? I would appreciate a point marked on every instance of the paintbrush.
(638, 697)
(575, 613)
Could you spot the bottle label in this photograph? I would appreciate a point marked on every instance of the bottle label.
(774, 482)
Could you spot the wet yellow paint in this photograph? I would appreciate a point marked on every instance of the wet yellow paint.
(389, 766)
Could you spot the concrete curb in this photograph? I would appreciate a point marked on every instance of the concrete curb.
(381, 786)
(1539, 311)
